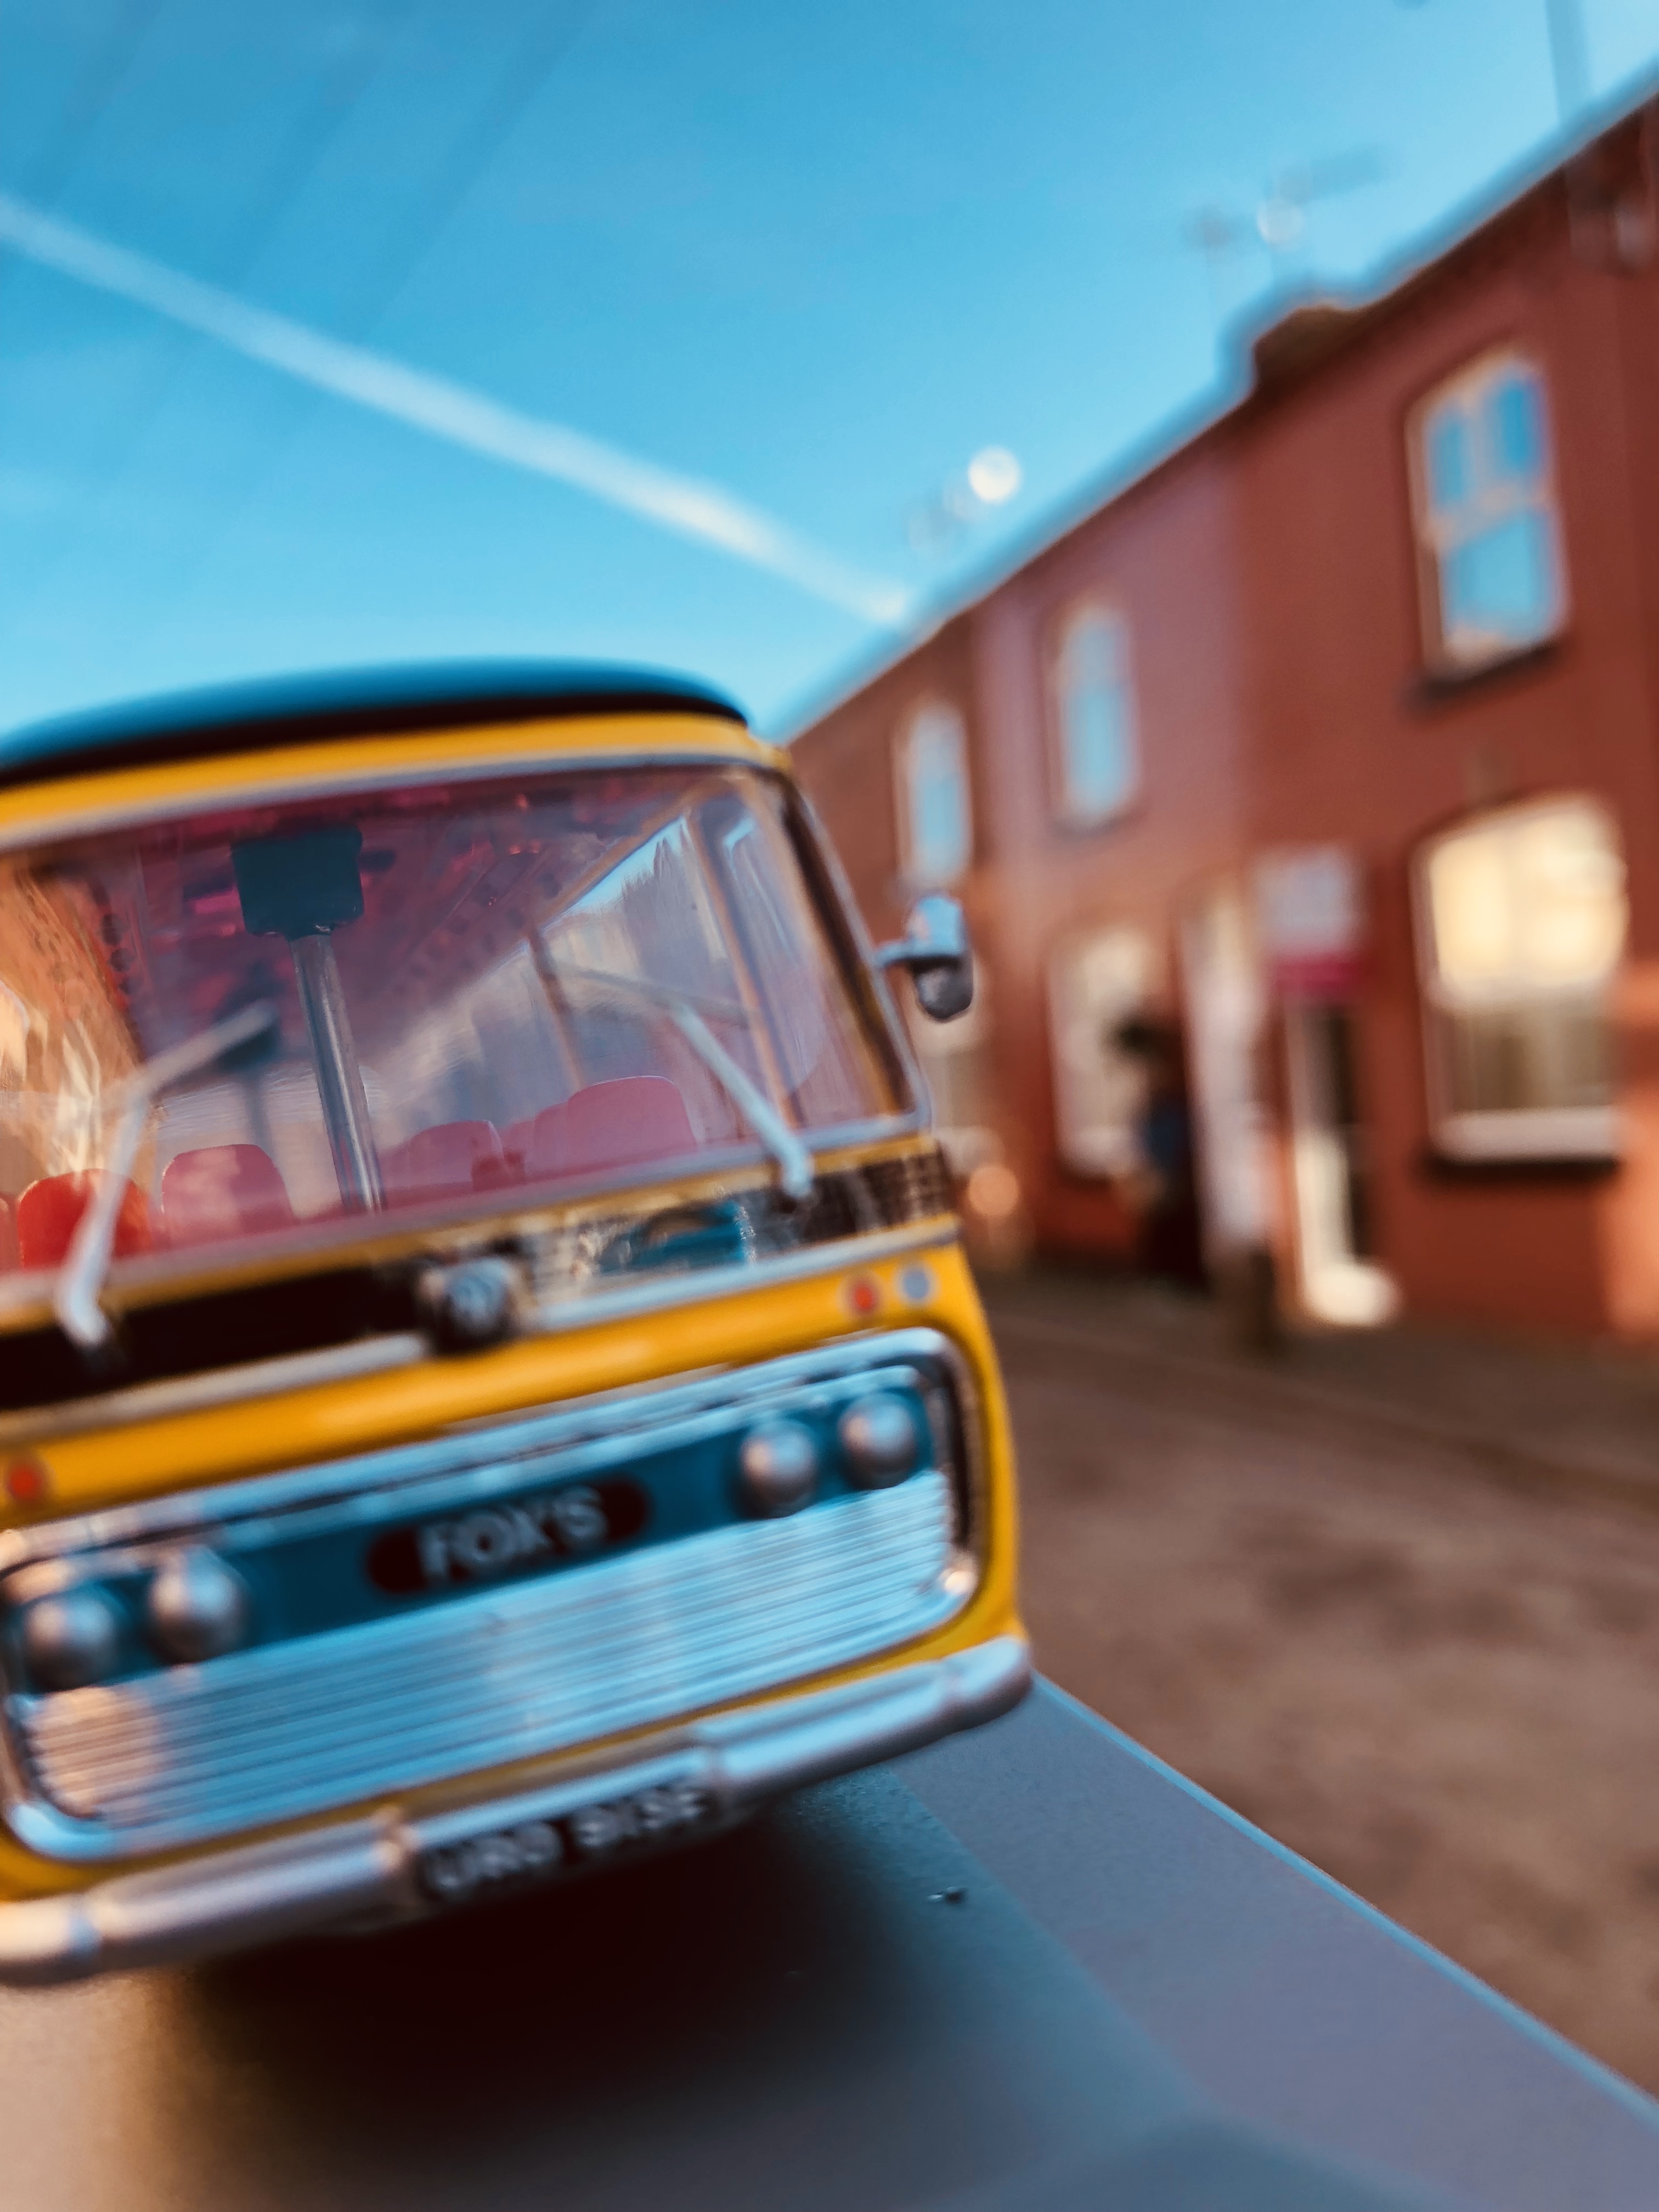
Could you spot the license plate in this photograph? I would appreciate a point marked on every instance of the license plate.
(530, 1850)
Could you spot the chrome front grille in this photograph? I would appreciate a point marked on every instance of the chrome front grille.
(268, 1735)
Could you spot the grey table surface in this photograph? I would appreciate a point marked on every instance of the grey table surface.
(1030, 1968)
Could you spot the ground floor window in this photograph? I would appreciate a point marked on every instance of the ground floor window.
(1097, 981)
(1521, 928)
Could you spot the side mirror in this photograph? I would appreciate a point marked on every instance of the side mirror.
(936, 951)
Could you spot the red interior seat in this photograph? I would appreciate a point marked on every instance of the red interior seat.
(48, 1211)
(222, 1190)
(445, 1161)
(619, 1124)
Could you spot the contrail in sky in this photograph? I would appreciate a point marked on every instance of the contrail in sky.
(452, 411)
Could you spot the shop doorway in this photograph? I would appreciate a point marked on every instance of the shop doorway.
(1225, 1012)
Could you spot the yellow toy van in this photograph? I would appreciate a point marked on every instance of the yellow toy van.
(490, 1384)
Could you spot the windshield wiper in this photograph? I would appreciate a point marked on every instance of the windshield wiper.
(74, 1295)
(794, 1161)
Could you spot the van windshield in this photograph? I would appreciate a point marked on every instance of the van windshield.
(473, 988)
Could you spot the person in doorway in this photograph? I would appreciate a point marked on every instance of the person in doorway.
(1164, 1189)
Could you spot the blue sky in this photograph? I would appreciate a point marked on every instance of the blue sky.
(784, 269)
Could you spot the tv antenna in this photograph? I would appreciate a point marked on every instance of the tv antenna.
(1278, 221)
(991, 479)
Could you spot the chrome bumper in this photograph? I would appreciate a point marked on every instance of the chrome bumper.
(368, 1871)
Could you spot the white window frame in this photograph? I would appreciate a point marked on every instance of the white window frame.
(1493, 499)
(1071, 807)
(933, 722)
(1519, 1133)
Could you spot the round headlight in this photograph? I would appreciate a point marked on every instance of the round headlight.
(196, 1607)
(779, 1467)
(71, 1638)
(879, 1434)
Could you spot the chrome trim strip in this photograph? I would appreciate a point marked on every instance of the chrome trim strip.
(633, 1411)
(216, 1386)
(364, 1872)
(874, 1129)
(436, 1482)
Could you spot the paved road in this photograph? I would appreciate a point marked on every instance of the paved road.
(1435, 1679)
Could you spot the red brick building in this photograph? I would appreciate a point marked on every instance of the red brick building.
(1334, 739)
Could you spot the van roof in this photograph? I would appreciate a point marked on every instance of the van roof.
(344, 702)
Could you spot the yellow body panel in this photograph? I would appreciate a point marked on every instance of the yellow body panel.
(110, 1465)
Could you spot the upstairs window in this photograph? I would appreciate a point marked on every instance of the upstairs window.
(1486, 520)
(1521, 924)
(1096, 765)
(935, 809)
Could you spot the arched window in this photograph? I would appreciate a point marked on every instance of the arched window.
(1485, 514)
(935, 809)
(1520, 928)
(1096, 758)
